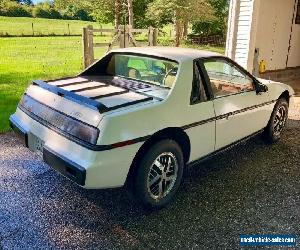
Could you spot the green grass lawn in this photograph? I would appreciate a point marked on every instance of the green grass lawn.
(23, 59)
(19, 26)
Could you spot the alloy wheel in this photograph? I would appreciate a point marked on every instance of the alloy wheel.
(162, 175)
(280, 120)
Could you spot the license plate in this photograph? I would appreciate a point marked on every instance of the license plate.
(38, 145)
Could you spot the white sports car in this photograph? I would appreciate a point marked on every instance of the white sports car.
(138, 116)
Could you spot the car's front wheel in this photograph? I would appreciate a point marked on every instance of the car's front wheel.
(277, 121)
(159, 174)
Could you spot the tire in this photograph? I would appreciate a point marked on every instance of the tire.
(277, 121)
(158, 175)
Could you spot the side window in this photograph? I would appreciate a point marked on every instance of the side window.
(198, 91)
(226, 78)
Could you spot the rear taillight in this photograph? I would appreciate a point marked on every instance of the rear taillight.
(59, 121)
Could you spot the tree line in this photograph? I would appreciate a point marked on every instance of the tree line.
(206, 17)
(47, 9)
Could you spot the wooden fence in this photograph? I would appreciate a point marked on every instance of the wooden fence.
(214, 40)
(122, 37)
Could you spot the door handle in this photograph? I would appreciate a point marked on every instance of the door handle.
(229, 114)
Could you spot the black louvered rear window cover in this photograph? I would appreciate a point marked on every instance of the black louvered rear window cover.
(130, 84)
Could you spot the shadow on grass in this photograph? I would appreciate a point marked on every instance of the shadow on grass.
(8, 104)
(12, 86)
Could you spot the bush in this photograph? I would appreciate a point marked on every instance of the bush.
(14, 9)
(82, 15)
(54, 14)
(38, 11)
(68, 13)
(45, 10)
(208, 29)
(65, 16)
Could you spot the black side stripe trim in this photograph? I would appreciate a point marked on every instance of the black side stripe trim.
(244, 110)
(196, 124)
(144, 138)
(220, 117)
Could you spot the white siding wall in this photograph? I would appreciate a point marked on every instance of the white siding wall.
(243, 32)
(263, 24)
(239, 30)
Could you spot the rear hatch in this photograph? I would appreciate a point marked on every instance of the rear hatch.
(89, 98)
(74, 107)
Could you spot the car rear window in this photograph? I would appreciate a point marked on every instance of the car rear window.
(148, 69)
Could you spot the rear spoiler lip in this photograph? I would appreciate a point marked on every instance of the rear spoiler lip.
(82, 100)
(71, 96)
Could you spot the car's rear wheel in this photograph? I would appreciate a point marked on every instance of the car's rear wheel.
(159, 174)
(277, 121)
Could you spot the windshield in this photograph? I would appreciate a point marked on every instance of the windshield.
(148, 69)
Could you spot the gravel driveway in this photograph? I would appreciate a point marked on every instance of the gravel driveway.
(253, 188)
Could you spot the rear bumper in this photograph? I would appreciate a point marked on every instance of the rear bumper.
(21, 132)
(87, 168)
(58, 162)
(64, 166)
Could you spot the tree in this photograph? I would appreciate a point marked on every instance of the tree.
(117, 13)
(38, 11)
(82, 14)
(25, 2)
(107, 11)
(130, 13)
(140, 10)
(181, 13)
(217, 26)
(12, 8)
(101, 10)
(111, 10)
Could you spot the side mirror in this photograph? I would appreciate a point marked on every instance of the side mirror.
(261, 88)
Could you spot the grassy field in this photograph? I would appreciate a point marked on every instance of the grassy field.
(22, 26)
(26, 58)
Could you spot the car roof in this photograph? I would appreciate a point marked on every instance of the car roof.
(173, 53)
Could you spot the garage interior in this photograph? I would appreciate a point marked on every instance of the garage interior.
(264, 37)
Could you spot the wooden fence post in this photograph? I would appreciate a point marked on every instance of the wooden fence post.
(85, 47)
(91, 44)
(150, 36)
(88, 46)
(100, 26)
(122, 36)
(127, 36)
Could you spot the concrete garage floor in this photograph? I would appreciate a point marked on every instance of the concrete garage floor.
(296, 86)
(253, 188)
